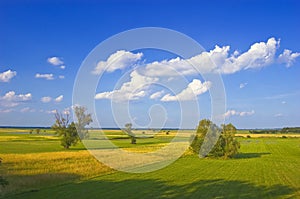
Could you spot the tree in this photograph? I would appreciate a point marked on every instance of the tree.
(198, 139)
(128, 130)
(83, 119)
(210, 140)
(66, 130)
(231, 145)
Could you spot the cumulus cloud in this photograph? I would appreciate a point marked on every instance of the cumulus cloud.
(46, 99)
(56, 61)
(59, 98)
(6, 76)
(157, 94)
(195, 88)
(219, 59)
(287, 57)
(62, 67)
(119, 60)
(10, 99)
(242, 85)
(44, 76)
(237, 113)
(132, 90)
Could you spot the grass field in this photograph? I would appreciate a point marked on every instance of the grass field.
(38, 167)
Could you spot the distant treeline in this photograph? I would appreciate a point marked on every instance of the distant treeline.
(24, 127)
(276, 131)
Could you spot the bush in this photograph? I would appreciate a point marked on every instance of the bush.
(284, 136)
(248, 136)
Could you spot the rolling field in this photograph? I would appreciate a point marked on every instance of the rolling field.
(36, 166)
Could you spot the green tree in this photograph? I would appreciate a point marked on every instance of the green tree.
(66, 130)
(83, 119)
(210, 140)
(198, 139)
(231, 145)
(128, 130)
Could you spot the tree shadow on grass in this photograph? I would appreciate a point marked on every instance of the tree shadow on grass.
(151, 188)
(32, 183)
(249, 155)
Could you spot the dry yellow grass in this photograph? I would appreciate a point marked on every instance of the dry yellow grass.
(146, 148)
(24, 171)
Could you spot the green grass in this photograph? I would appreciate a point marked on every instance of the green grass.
(265, 168)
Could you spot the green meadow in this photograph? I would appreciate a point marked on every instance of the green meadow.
(36, 166)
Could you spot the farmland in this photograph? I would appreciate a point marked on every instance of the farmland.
(36, 166)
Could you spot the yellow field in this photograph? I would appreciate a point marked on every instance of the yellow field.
(34, 169)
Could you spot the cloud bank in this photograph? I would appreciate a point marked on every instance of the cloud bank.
(218, 60)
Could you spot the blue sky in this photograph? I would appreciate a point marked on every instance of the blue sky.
(43, 43)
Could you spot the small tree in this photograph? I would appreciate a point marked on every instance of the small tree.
(128, 130)
(37, 131)
(83, 119)
(66, 130)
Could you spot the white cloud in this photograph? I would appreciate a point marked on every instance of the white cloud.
(7, 75)
(132, 90)
(217, 60)
(259, 55)
(237, 113)
(26, 110)
(62, 67)
(59, 98)
(11, 96)
(10, 99)
(46, 99)
(242, 85)
(157, 94)
(119, 60)
(220, 60)
(44, 76)
(6, 110)
(283, 102)
(287, 57)
(61, 77)
(55, 61)
(195, 88)
(54, 111)
(278, 115)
